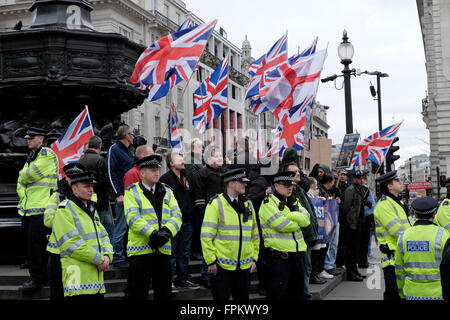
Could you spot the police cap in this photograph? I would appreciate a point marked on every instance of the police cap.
(153, 161)
(425, 205)
(387, 177)
(284, 177)
(73, 168)
(33, 131)
(238, 174)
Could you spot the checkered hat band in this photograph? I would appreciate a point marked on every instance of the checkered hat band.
(82, 179)
(235, 177)
(283, 179)
(425, 212)
(152, 163)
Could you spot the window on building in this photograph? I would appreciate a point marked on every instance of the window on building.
(180, 100)
(157, 126)
(233, 91)
(166, 10)
(199, 74)
(178, 19)
(153, 5)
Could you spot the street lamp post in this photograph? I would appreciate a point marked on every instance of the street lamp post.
(345, 52)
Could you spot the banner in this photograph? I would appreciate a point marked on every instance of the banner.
(327, 216)
(347, 150)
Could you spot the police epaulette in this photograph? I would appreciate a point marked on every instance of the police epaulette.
(44, 151)
(130, 186)
(211, 200)
(166, 185)
(445, 203)
(266, 199)
(383, 197)
(63, 203)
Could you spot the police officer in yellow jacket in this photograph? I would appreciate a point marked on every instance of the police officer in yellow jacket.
(64, 192)
(35, 183)
(442, 218)
(153, 218)
(282, 218)
(390, 221)
(83, 242)
(419, 254)
(230, 239)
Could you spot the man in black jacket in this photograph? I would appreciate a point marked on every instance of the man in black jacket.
(207, 183)
(181, 246)
(94, 162)
(352, 222)
(445, 272)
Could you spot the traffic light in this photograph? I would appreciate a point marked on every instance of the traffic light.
(391, 157)
(442, 180)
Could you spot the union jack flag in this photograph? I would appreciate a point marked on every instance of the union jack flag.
(178, 53)
(70, 145)
(256, 105)
(375, 147)
(258, 69)
(174, 131)
(211, 98)
(157, 91)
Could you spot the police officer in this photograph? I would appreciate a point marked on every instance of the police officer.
(390, 221)
(36, 181)
(282, 218)
(442, 218)
(153, 218)
(63, 192)
(83, 242)
(419, 253)
(230, 239)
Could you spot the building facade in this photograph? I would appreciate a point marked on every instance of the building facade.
(434, 17)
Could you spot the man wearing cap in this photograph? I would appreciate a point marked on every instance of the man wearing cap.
(390, 221)
(352, 222)
(282, 218)
(419, 253)
(35, 183)
(230, 239)
(63, 192)
(153, 218)
(83, 242)
(442, 218)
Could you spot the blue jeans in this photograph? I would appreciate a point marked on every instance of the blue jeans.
(106, 221)
(330, 259)
(307, 272)
(120, 228)
(181, 249)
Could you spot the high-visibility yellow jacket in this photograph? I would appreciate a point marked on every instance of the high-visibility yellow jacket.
(142, 220)
(442, 217)
(82, 243)
(49, 216)
(281, 229)
(226, 238)
(390, 222)
(35, 182)
(417, 261)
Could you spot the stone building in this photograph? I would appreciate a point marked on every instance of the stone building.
(434, 17)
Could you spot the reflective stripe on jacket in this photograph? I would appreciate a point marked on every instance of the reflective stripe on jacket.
(82, 242)
(142, 220)
(417, 261)
(442, 218)
(226, 238)
(390, 222)
(35, 182)
(281, 229)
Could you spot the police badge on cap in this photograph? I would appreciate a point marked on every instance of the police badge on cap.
(33, 132)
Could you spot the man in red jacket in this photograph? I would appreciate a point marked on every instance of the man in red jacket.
(134, 175)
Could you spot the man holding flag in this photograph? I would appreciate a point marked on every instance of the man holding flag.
(35, 184)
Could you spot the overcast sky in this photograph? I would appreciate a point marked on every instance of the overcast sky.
(385, 34)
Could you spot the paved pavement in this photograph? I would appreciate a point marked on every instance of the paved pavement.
(371, 288)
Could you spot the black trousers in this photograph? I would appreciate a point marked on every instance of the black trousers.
(37, 255)
(55, 277)
(352, 243)
(235, 283)
(391, 289)
(143, 268)
(365, 235)
(340, 256)
(318, 260)
(285, 278)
